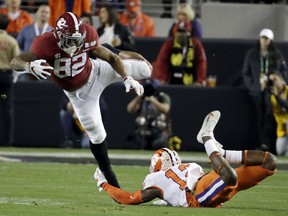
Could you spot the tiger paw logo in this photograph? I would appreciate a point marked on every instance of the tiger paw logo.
(61, 23)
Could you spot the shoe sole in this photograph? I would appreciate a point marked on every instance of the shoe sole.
(216, 116)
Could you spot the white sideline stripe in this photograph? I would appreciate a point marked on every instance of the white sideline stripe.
(89, 155)
(29, 201)
(5, 159)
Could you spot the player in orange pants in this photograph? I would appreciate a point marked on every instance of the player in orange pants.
(187, 185)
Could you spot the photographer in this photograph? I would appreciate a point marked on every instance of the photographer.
(153, 117)
(279, 102)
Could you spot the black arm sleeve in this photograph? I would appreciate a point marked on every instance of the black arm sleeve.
(114, 50)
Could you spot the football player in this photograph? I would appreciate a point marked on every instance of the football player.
(62, 54)
(186, 185)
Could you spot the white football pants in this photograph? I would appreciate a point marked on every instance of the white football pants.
(85, 100)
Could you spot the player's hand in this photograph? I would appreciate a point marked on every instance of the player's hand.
(100, 178)
(130, 83)
(39, 68)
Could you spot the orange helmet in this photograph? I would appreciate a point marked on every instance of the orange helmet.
(163, 159)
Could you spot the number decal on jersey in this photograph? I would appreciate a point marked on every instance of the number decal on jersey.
(65, 67)
(170, 174)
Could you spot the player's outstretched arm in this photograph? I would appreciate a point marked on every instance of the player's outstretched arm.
(126, 198)
(19, 62)
(28, 62)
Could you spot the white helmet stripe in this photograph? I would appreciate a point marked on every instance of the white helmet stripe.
(77, 24)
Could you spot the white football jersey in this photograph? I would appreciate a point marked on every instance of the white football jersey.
(173, 182)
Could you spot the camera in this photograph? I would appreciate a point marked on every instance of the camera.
(270, 83)
(150, 87)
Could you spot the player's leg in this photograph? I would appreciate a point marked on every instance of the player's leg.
(107, 75)
(257, 164)
(218, 163)
(85, 102)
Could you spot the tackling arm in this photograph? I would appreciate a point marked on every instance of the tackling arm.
(134, 198)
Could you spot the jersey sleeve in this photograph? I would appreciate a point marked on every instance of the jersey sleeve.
(37, 47)
(92, 38)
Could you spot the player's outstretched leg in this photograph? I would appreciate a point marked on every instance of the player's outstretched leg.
(208, 126)
(218, 163)
(101, 155)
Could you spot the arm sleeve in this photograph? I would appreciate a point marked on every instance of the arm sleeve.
(161, 66)
(196, 29)
(111, 48)
(122, 196)
(201, 61)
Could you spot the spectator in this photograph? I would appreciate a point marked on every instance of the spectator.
(8, 50)
(87, 18)
(140, 24)
(112, 32)
(279, 101)
(153, 117)
(181, 59)
(18, 18)
(75, 6)
(28, 33)
(258, 63)
(185, 12)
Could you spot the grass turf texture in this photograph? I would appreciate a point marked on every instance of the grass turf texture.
(69, 189)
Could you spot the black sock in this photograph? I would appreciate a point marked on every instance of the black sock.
(101, 155)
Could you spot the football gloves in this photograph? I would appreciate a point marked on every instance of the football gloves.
(100, 178)
(38, 69)
(130, 83)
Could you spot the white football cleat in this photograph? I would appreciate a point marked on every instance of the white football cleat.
(208, 126)
(100, 178)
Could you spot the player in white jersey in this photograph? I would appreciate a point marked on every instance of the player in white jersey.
(186, 185)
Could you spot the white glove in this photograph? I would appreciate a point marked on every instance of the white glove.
(38, 70)
(100, 178)
(130, 83)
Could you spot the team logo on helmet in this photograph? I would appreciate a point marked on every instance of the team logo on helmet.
(61, 23)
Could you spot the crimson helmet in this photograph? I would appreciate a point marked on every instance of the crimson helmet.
(163, 159)
(70, 33)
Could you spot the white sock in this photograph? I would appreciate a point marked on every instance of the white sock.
(234, 156)
(210, 147)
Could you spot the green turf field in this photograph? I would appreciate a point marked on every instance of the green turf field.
(30, 189)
